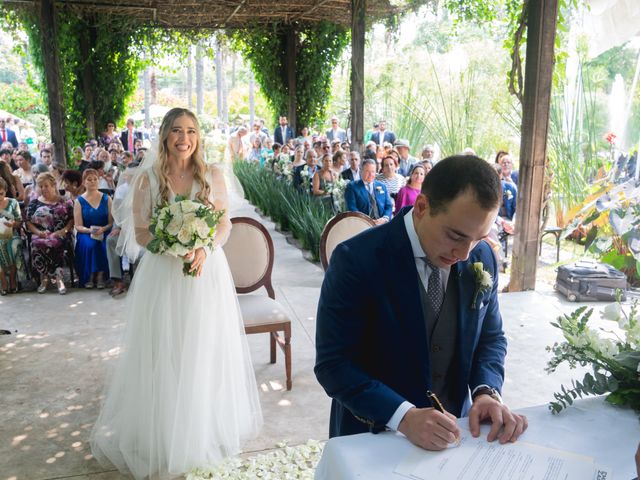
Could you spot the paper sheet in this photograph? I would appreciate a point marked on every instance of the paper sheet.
(477, 459)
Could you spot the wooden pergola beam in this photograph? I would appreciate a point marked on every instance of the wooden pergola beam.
(48, 29)
(358, 28)
(542, 17)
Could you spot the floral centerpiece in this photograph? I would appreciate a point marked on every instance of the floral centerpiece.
(181, 227)
(615, 361)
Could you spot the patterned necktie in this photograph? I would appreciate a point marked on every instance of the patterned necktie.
(374, 212)
(435, 291)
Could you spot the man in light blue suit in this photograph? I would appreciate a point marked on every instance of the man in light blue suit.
(421, 315)
(369, 196)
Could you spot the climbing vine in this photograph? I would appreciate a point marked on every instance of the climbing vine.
(319, 47)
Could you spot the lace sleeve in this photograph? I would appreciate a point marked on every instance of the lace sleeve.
(142, 210)
(218, 197)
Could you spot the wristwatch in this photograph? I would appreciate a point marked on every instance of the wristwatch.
(485, 390)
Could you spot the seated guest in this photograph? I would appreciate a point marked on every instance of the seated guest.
(114, 259)
(389, 177)
(31, 192)
(76, 157)
(298, 157)
(10, 241)
(93, 220)
(353, 172)
(427, 165)
(506, 172)
(56, 170)
(15, 188)
(303, 174)
(46, 157)
(49, 219)
(324, 178)
(256, 152)
(427, 153)
(339, 161)
(369, 196)
(407, 195)
(405, 160)
(72, 183)
(24, 172)
(5, 156)
(509, 196)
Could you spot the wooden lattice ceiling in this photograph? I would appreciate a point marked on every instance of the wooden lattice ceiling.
(221, 13)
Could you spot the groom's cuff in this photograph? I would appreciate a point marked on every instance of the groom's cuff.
(396, 418)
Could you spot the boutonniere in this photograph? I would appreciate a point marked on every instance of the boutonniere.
(379, 189)
(508, 194)
(483, 279)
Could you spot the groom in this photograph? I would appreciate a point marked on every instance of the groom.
(418, 317)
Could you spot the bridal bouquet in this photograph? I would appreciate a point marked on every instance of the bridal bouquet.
(183, 226)
(615, 361)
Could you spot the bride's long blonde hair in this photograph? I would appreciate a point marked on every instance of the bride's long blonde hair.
(197, 158)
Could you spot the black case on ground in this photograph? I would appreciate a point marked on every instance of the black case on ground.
(587, 280)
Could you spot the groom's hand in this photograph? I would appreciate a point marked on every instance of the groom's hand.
(505, 424)
(429, 429)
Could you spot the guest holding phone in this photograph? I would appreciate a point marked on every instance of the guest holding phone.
(93, 220)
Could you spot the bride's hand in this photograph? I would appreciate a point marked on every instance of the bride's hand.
(198, 257)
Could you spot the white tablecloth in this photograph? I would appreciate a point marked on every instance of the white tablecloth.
(591, 427)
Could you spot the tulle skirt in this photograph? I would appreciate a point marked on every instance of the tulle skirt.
(183, 393)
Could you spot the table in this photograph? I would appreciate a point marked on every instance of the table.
(590, 427)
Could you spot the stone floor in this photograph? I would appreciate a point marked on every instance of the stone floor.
(53, 366)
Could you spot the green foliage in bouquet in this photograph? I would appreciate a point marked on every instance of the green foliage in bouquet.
(301, 214)
(615, 361)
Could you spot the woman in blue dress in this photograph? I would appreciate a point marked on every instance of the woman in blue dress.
(93, 220)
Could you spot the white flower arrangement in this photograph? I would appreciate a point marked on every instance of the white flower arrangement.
(615, 361)
(484, 281)
(285, 463)
(337, 189)
(181, 227)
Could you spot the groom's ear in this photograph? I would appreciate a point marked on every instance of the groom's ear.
(421, 206)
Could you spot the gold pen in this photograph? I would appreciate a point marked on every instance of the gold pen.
(437, 404)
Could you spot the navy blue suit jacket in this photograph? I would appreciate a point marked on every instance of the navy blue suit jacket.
(388, 137)
(356, 198)
(372, 351)
(11, 137)
(277, 135)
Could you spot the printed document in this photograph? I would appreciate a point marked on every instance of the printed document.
(477, 459)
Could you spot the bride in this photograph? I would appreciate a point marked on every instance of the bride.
(183, 393)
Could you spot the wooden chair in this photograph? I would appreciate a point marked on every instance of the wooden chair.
(340, 228)
(250, 254)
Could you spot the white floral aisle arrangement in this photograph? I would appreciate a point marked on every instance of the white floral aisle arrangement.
(337, 189)
(180, 227)
(286, 463)
(615, 361)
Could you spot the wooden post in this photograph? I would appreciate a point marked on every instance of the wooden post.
(541, 34)
(358, 8)
(290, 67)
(51, 63)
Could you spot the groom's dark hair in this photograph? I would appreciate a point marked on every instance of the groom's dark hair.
(455, 175)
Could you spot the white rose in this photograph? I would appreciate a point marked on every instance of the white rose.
(485, 280)
(202, 229)
(174, 226)
(184, 235)
(175, 209)
(189, 206)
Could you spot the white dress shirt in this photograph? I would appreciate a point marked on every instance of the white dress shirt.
(423, 272)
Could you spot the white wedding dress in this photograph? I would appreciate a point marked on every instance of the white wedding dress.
(183, 393)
